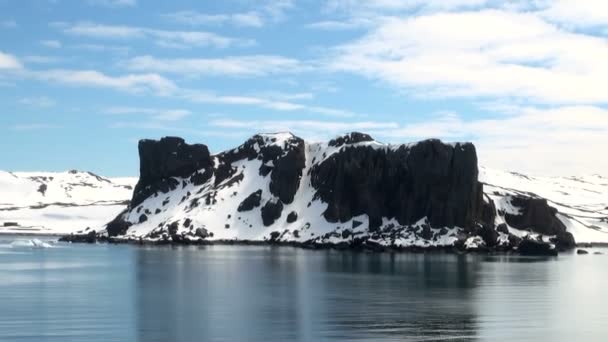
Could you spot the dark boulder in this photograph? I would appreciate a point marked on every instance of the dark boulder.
(427, 179)
(581, 252)
(530, 247)
(271, 211)
(143, 218)
(292, 217)
(251, 201)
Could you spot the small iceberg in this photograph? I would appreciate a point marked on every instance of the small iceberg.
(33, 243)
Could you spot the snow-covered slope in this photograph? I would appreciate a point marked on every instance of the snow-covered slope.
(582, 202)
(59, 202)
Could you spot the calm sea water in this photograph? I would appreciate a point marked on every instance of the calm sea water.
(223, 293)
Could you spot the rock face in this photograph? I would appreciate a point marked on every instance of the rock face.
(350, 191)
(537, 216)
(428, 179)
(161, 160)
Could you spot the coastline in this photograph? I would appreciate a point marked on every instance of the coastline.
(367, 246)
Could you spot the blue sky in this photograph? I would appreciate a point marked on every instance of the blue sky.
(82, 81)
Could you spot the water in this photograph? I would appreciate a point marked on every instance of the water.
(223, 293)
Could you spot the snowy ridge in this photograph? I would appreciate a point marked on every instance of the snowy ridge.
(59, 202)
(582, 202)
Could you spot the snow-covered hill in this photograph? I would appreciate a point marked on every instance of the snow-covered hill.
(582, 202)
(351, 190)
(59, 202)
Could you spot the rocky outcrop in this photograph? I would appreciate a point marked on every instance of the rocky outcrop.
(427, 179)
(168, 157)
(353, 191)
(530, 247)
(537, 216)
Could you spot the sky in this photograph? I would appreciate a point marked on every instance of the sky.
(82, 81)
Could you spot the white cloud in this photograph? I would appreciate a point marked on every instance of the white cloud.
(267, 103)
(375, 7)
(165, 38)
(130, 83)
(341, 25)
(254, 65)
(153, 113)
(113, 3)
(578, 13)
(54, 44)
(41, 101)
(194, 18)
(276, 9)
(9, 61)
(490, 53)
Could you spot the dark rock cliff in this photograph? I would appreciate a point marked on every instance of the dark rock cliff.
(168, 157)
(427, 179)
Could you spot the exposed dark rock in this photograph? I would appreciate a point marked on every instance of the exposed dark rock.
(187, 223)
(271, 211)
(118, 226)
(346, 234)
(10, 224)
(42, 189)
(292, 217)
(502, 228)
(202, 233)
(287, 171)
(251, 201)
(351, 138)
(489, 235)
(143, 218)
(488, 212)
(274, 236)
(426, 232)
(429, 179)
(538, 216)
(173, 227)
(166, 158)
(356, 224)
(531, 247)
(581, 251)
(89, 237)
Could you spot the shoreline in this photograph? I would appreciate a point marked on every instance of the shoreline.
(342, 246)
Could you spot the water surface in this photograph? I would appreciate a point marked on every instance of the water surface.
(237, 293)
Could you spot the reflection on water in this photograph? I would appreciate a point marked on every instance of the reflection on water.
(223, 293)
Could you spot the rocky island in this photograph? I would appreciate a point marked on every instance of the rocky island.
(349, 192)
